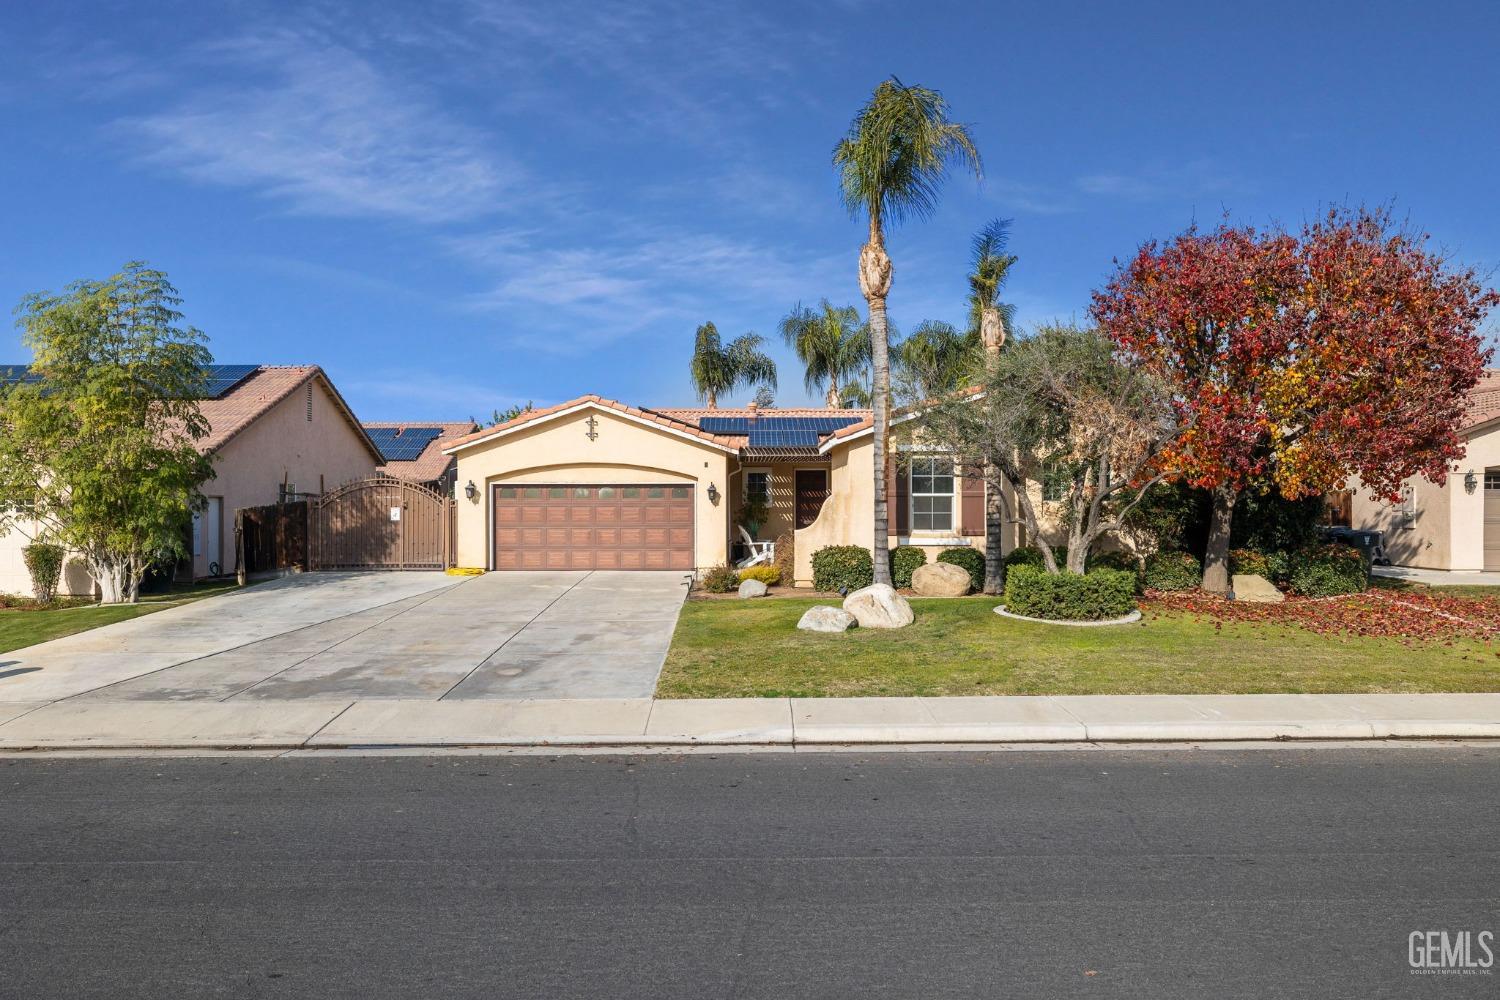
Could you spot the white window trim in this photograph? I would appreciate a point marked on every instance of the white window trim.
(745, 482)
(911, 500)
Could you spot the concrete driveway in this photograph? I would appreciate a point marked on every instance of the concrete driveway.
(322, 637)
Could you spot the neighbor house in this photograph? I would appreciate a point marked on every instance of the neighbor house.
(598, 484)
(414, 451)
(1453, 524)
(275, 432)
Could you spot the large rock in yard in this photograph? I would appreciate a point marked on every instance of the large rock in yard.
(941, 580)
(1255, 590)
(879, 607)
(753, 588)
(825, 618)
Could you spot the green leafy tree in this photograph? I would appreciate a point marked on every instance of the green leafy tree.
(833, 344)
(509, 413)
(936, 359)
(719, 369)
(99, 447)
(891, 164)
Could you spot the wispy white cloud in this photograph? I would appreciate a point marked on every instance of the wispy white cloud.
(597, 294)
(413, 394)
(318, 127)
(1189, 179)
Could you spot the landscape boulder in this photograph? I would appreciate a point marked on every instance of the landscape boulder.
(753, 588)
(1255, 590)
(879, 606)
(826, 618)
(941, 580)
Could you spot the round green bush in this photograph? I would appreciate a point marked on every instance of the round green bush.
(1172, 571)
(720, 580)
(44, 562)
(1098, 595)
(768, 575)
(1248, 561)
(1328, 570)
(905, 560)
(1028, 555)
(968, 559)
(842, 567)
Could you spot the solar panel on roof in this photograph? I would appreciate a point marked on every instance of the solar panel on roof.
(403, 444)
(16, 373)
(223, 378)
(746, 425)
(725, 425)
(774, 438)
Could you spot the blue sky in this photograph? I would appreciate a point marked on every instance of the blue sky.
(460, 204)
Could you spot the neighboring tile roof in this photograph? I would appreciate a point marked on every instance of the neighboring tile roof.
(652, 416)
(1484, 400)
(231, 413)
(432, 463)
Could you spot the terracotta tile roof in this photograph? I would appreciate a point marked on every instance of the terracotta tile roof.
(869, 421)
(238, 409)
(652, 416)
(1484, 400)
(696, 413)
(432, 463)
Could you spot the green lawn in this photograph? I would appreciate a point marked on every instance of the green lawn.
(27, 628)
(734, 649)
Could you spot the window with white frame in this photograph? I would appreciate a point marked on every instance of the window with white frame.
(931, 493)
(758, 486)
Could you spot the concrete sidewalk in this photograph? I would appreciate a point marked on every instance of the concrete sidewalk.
(749, 722)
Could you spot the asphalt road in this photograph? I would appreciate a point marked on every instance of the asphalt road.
(1144, 873)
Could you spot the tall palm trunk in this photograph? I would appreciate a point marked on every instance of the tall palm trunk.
(713, 400)
(875, 285)
(992, 333)
(833, 402)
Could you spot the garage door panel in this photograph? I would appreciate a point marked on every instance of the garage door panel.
(593, 527)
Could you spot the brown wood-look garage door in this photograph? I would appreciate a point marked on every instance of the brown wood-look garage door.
(1492, 519)
(613, 526)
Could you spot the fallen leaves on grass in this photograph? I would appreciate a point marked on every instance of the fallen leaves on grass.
(1409, 615)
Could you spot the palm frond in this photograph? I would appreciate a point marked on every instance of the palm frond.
(898, 151)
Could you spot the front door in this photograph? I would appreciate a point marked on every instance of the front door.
(812, 490)
(208, 534)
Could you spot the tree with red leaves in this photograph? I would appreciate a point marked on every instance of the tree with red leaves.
(1296, 363)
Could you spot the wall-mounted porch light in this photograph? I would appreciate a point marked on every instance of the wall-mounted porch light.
(1471, 481)
(713, 494)
(470, 490)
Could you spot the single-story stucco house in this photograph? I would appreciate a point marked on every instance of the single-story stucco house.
(413, 450)
(1455, 524)
(275, 431)
(598, 484)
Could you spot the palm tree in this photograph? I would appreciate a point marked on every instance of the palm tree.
(891, 163)
(833, 346)
(989, 318)
(718, 368)
(936, 359)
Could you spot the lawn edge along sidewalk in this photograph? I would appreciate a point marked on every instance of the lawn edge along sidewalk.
(746, 722)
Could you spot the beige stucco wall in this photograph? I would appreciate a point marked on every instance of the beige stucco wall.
(282, 445)
(559, 450)
(14, 577)
(848, 516)
(1446, 530)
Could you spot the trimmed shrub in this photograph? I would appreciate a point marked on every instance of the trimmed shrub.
(1249, 561)
(1327, 570)
(968, 559)
(1172, 571)
(905, 560)
(768, 575)
(1278, 566)
(1098, 595)
(842, 567)
(1028, 555)
(1118, 559)
(720, 580)
(44, 562)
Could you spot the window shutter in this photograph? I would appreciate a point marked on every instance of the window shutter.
(898, 489)
(971, 503)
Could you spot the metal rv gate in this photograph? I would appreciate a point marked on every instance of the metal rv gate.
(382, 523)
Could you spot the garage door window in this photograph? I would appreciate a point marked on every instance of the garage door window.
(507, 493)
(631, 493)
